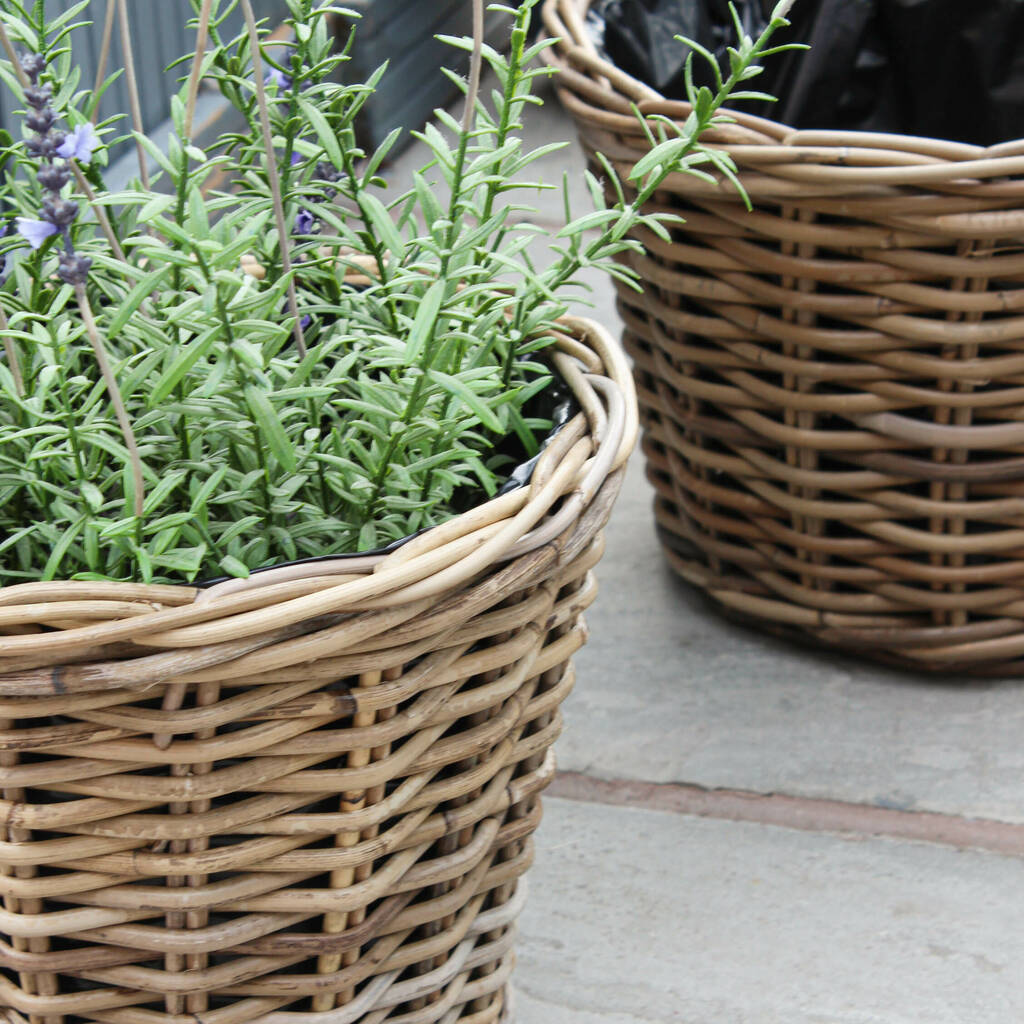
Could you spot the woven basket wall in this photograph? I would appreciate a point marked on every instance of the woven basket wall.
(306, 798)
(831, 386)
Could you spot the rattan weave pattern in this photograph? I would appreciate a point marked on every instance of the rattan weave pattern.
(305, 798)
(832, 385)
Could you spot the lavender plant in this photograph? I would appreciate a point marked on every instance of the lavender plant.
(254, 353)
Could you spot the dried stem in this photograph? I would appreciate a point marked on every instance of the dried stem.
(12, 355)
(475, 65)
(101, 68)
(12, 55)
(115, 395)
(133, 87)
(98, 210)
(272, 175)
(202, 35)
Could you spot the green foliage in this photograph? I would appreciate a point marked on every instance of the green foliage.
(425, 317)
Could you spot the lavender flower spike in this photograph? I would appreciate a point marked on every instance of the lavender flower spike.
(74, 269)
(45, 144)
(35, 232)
(79, 144)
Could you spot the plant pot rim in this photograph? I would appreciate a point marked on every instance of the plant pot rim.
(221, 622)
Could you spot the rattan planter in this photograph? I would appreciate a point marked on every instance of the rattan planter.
(307, 798)
(832, 386)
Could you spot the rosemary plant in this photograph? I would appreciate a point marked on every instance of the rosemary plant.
(255, 353)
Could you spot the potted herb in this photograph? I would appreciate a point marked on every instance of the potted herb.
(304, 790)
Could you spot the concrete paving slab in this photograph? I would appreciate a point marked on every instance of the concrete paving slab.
(641, 917)
(669, 691)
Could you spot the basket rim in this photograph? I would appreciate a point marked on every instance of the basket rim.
(595, 90)
(566, 485)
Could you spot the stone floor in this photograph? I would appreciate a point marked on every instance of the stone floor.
(744, 832)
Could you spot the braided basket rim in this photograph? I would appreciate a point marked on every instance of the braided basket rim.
(211, 625)
(592, 87)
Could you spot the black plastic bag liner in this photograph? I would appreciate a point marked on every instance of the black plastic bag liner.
(945, 69)
(639, 36)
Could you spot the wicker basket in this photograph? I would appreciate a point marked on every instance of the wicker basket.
(832, 386)
(305, 798)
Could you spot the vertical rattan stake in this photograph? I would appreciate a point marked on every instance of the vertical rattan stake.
(40, 983)
(341, 878)
(272, 175)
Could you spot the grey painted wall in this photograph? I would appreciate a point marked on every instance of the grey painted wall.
(402, 33)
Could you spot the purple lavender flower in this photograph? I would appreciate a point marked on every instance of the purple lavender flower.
(73, 269)
(79, 144)
(307, 319)
(328, 172)
(44, 146)
(33, 64)
(277, 77)
(281, 78)
(53, 177)
(35, 232)
(59, 212)
(306, 220)
(304, 223)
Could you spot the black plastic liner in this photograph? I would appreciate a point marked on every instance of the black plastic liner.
(946, 69)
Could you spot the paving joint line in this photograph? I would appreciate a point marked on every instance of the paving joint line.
(806, 814)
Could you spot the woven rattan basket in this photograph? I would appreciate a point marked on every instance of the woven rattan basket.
(831, 386)
(305, 798)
